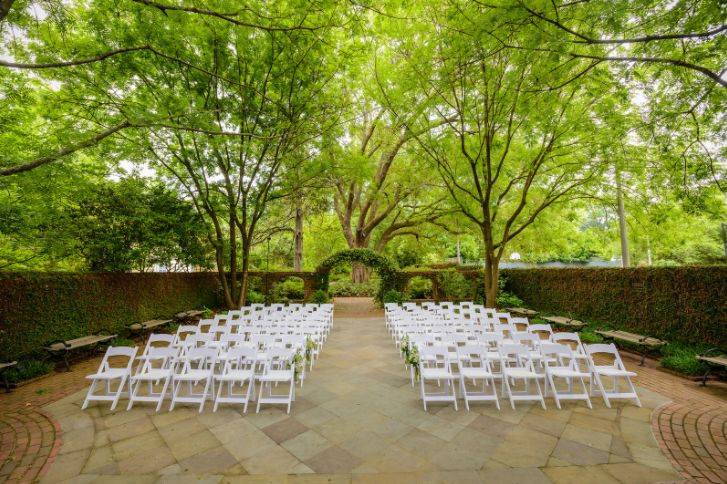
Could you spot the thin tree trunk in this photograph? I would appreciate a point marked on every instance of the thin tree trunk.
(360, 273)
(222, 276)
(625, 262)
(298, 235)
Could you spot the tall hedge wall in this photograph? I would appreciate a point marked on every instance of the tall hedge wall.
(38, 307)
(686, 304)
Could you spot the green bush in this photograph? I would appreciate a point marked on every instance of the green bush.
(36, 308)
(123, 342)
(287, 290)
(320, 297)
(683, 358)
(254, 297)
(28, 369)
(348, 288)
(589, 337)
(454, 285)
(420, 288)
(508, 300)
(678, 304)
(394, 297)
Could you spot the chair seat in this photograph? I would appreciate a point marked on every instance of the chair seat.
(110, 374)
(520, 373)
(475, 372)
(567, 373)
(192, 375)
(236, 375)
(438, 373)
(276, 375)
(611, 371)
(153, 374)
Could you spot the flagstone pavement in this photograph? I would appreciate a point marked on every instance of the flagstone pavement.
(358, 419)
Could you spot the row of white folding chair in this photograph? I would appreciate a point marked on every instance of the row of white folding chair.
(198, 367)
(517, 362)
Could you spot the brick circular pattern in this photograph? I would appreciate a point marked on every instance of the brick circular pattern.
(692, 436)
(30, 439)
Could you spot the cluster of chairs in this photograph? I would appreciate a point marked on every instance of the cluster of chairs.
(470, 347)
(221, 359)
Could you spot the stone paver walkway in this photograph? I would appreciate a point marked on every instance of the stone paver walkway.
(357, 418)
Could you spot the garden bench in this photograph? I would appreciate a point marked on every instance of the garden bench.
(191, 314)
(3, 369)
(717, 359)
(149, 325)
(64, 347)
(563, 321)
(638, 340)
(528, 313)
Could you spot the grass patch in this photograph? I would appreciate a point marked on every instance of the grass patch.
(682, 358)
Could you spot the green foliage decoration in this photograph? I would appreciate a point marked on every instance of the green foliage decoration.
(390, 278)
(36, 308)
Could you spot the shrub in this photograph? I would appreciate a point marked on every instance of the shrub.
(420, 288)
(589, 337)
(291, 288)
(685, 304)
(454, 285)
(683, 358)
(254, 297)
(508, 300)
(320, 297)
(28, 369)
(123, 342)
(348, 288)
(36, 308)
(393, 296)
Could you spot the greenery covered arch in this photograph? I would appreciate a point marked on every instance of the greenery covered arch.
(391, 278)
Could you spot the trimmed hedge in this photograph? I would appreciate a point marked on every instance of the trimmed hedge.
(687, 304)
(39, 307)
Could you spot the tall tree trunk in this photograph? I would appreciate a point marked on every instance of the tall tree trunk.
(625, 262)
(222, 276)
(360, 273)
(492, 274)
(245, 273)
(298, 235)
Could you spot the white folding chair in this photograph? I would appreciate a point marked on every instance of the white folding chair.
(197, 368)
(183, 332)
(543, 331)
(517, 364)
(278, 369)
(434, 365)
(474, 366)
(560, 363)
(156, 369)
(107, 374)
(239, 369)
(616, 370)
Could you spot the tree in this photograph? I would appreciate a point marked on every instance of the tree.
(509, 152)
(131, 225)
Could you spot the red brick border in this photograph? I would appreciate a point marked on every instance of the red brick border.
(30, 442)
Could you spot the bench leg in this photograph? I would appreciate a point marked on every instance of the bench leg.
(704, 378)
(643, 358)
(65, 361)
(5, 382)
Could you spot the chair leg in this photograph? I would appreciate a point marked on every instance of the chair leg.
(88, 395)
(118, 392)
(163, 393)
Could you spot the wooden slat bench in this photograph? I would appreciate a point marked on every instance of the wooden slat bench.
(638, 340)
(149, 325)
(528, 313)
(563, 321)
(191, 314)
(3, 369)
(61, 347)
(716, 359)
